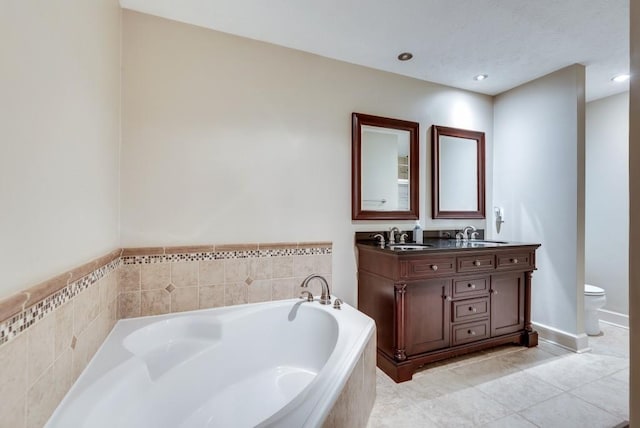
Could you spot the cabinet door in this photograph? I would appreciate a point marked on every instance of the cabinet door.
(507, 303)
(427, 315)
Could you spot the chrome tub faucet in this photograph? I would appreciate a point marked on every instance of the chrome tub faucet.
(325, 297)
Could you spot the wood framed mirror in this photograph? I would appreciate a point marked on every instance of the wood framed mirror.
(384, 168)
(458, 168)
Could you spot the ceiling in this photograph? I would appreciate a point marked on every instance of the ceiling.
(512, 41)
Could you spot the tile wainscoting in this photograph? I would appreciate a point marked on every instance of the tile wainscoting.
(49, 332)
(156, 281)
(47, 345)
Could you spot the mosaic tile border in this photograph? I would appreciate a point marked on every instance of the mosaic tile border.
(15, 325)
(224, 255)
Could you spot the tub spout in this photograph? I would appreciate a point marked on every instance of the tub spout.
(325, 297)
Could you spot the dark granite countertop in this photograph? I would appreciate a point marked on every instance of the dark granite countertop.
(448, 244)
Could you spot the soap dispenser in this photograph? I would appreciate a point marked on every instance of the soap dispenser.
(417, 233)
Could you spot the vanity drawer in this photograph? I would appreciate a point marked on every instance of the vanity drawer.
(469, 332)
(425, 267)
(513, 260)
(465, 310)
(477, 263)
(471, 287)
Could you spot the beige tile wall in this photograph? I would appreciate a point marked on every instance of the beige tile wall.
(38, 366)
(176, 286)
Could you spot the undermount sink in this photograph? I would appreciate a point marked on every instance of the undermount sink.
(409, 247)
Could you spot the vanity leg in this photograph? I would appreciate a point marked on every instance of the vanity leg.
(530, 336)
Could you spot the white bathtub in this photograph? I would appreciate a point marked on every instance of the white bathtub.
(279, 363)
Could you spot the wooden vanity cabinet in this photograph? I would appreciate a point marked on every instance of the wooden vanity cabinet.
(507, 303)
(426, 315)
(433, 305)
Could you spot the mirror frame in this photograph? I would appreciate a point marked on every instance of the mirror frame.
(436, 132)
(357, 213)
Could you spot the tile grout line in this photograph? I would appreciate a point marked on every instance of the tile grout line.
(595, 405)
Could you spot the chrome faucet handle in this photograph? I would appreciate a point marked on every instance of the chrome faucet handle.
(309, 295)
(337, 303)
(459, 236)
(325, 297)
(380, 239)
(403, 238)
(475, 235)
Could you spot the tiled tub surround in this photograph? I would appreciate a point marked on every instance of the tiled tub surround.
(49, 332)
(46, 345)
(155, 281)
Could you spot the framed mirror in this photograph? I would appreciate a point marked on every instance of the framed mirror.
(458, 173)
(384, 168)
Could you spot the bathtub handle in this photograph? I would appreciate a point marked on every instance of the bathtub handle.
(309, 295)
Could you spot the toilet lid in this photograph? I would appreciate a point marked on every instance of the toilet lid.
(592, 290)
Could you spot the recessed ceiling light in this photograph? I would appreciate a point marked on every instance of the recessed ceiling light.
(405, 56)
(620, 78)
(480, 77)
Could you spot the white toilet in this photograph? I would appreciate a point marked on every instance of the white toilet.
(594, 299)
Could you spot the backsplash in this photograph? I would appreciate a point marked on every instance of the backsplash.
(15, 325)
(49, 332)
(156, 281)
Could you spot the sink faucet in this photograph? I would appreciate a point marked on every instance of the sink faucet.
(465, 232)
(380, 239)
(325, 297)
(392, 235)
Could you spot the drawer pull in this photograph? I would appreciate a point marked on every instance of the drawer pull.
(471, 286)
(494, 291)
(477, 263)
(434, 267)
(471, 332)
(472, 309)
(514, 261)
(447, 298)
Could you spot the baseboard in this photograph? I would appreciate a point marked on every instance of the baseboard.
(615, 318)
(573, 342)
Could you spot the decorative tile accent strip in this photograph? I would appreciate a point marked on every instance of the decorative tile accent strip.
(303, 249)
(18, 323)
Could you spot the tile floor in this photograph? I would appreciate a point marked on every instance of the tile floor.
(514, 387)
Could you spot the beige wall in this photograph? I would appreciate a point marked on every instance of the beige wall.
(634, 215)
(60, 132)
(230, 140)
(539, 180)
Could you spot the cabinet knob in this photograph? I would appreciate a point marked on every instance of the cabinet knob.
(434, 267)
(494, 291)
(477, 263)
(471, 332)
(472, 286)
(514, 261)
(472, 309)
(447, 298)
